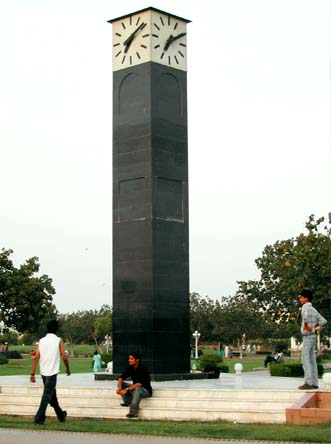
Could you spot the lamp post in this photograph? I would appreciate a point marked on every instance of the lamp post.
(196, 336)
(107, 342)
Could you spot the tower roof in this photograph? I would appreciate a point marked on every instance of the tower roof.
(150, 8)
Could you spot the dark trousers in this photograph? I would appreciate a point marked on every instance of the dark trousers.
(49, 397)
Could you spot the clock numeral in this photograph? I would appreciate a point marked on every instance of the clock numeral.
(176, 24)
(169, 60)
(123, 60)
(155, 35)
(182, 44)
(144, 46)
(116, 55)
(181, 54)
(123, 25)
(138, 20)
(116, 44)
(138, 55)
(162, 55)
(130, 60)
(130, 20)
(156, 46)
(168, 20)
(145, 35)
(176, 60)
(118, 34)
(161, 19)
(157, 27)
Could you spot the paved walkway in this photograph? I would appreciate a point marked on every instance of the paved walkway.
(255, 380)
(8, 436)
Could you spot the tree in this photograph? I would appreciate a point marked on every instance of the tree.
(89, 326)
(290, 265)
(103, 323)
(25, 298)
(238, 320)
(201, 316)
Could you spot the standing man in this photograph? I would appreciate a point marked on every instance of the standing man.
(48, 353)
(141, 387)
(311, 322)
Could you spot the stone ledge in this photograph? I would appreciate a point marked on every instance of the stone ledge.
(155, 377)
(310, 409)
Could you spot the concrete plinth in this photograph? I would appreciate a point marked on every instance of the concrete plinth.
(155, 377)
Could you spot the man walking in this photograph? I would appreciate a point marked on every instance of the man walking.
(311, 322)
(141, 387)
(48, 353)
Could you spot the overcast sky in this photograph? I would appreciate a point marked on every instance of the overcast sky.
(259, 135)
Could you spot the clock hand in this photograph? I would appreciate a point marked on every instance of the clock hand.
(172, 38)
(129, 40)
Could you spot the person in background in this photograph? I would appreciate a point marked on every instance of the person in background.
(311, 322)
(96, 362)
(49, 350)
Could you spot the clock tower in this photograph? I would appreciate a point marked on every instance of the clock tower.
(150, 192)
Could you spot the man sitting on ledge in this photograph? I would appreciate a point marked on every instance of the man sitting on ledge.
(141, 387)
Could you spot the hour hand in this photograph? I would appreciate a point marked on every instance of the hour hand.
(172, 38)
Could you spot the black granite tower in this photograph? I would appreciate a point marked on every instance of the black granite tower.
(150, 192)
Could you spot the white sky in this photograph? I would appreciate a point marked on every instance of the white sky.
(259, 135)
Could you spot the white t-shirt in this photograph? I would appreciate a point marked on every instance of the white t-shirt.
(49, 349)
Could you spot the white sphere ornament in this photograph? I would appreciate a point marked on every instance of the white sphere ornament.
(327, 380)
(238, 368)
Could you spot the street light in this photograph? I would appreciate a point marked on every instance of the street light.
(107, 343)
(196, 335)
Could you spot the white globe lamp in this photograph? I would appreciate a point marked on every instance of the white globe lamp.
(238, 368)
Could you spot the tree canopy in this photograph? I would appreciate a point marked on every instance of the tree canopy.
(86, 326)
(25, 298)
(290, 265)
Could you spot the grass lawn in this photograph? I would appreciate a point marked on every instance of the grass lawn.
(23, 366)
(218, 429)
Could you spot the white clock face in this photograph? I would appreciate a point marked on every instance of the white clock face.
(168, 40)
(131, 41)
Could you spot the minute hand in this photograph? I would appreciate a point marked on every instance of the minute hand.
(128, 41)
(172, 38)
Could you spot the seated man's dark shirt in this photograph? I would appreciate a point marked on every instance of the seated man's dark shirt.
(140, 375)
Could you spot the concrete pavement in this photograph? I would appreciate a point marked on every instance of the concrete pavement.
(255, 380)
(17, 436)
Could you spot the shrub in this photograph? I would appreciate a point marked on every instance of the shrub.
(212, 364)
(12, 354)
(3, 359)
(211, 360)
(292, 369)
(107, 357)
(263, 352)
(281, 346)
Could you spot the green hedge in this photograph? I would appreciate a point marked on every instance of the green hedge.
(213, 364)
(3, 360)
(292, 369)
(107, 357)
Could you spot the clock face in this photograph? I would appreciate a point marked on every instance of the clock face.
(168, 40)
(131, 41)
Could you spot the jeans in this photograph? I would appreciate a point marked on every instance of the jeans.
(49, 397)
(134, 397)
(308, 358)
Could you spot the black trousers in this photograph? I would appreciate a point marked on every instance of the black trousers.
(49, 397)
